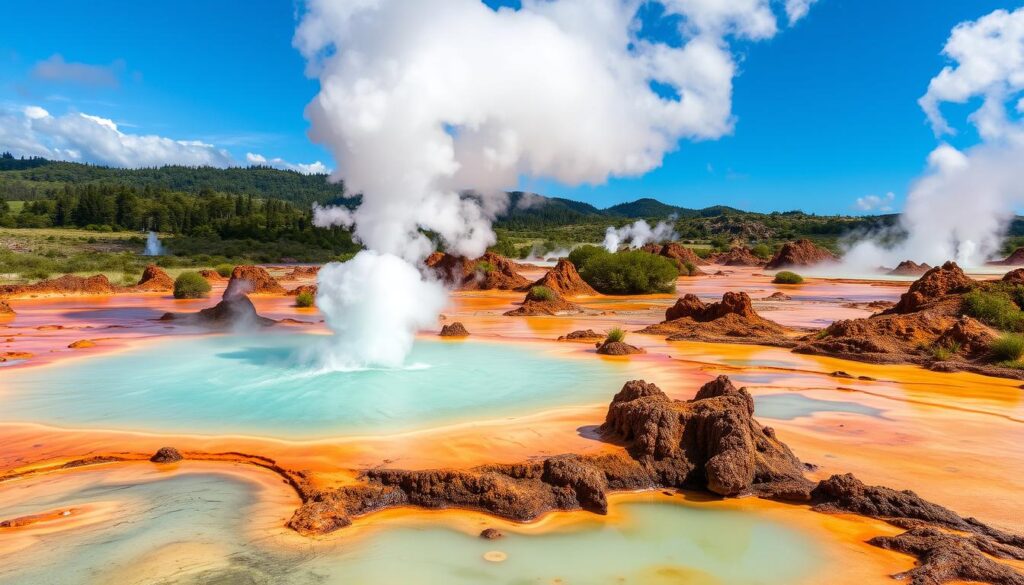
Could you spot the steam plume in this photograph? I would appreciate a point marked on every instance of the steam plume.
(961, 207)
(420, 101)
(637, 234)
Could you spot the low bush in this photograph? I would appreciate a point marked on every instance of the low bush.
(629, 272)
(787, 277)
(190, 285)
(542, 293)
(224, 270)
(304, 299)
(1008, 348)
(994, 308)
(581, 255)
(689, 269)
(762, 251)
(616, 334)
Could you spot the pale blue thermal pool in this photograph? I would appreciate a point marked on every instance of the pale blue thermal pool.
(653, 543)
(257, 385)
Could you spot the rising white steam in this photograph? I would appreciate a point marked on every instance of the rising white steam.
(961, 208)
(637, 234)
(420, 101)
(153, 245)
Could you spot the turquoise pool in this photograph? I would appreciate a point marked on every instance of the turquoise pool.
(260, 385)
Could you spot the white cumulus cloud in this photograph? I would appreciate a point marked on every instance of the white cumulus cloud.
(875, 202)
(797, 9)
(315, 168)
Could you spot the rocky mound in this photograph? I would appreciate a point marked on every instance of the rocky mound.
(536, 303)
(737, 256)
(679, 254)
(1016, 258)
(5, 308)
(1014, 276)
(565, 281)
(66, 285)
(488, 272)
(608, 347)
(710, 443)
(455, 329)
(925, 327)
(166, 455)
(732, 320)
(232, 311)
(300, 272)
(802, 252)
(247, 279)
(582, 335)
(211, 275)
(154, 279)
(303, 288)
(778, 296)
(909, 268)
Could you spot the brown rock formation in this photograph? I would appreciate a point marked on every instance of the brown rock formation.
(166, 455)
(300, 272)
(678, 253)
(909, 268)
(488, 272)
(66, 285)
(737, 256)
(232, 311)
(935, 285)
(582, 335)
(491, 534)
(248, 279)
(5, 309)
(455, 329)
(778, 296)
(617, 348)
(1014, 276)
(944, 557)
(1016, 258)
(565, 281)
(535, 304)
(211, 275)
(303, 288)
(732, 320)
(154, 279)
(800, 253)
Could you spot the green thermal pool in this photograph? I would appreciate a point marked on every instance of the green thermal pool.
(260, 385)
(654, 543)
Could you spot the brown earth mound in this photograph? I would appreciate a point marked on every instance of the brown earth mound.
(778, 296)
(582, 335)
(211, 275)
(802, 252)
(1014, 276)
(737, 256)
(69, 284)
(488, 272)
(5, 308)
(617, 348)
(166, 455)
(300, 272)
(303, 288)
(247, 279)
(534, 305)
(1016, 258)
(732, 320)
(232, 311)
(565, 281)
(154, 279)
(909, 268)
(455, 329)
(678, 253)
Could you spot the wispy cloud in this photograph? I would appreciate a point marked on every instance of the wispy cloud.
(315, 168)
(57, 70)
(875, 202)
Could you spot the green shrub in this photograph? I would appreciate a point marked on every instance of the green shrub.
(630, 272)
(1008, 348)
(304, 299)
(36, 274)
(484, 266)
(994, 308)
(761, 251)
(190, 285)
(787, 277)
(581, 255)
(689, 269)
(224, 270)
(616, 334)
(944, 352)
(542, 293)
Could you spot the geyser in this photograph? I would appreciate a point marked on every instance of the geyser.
(962, 206)
(421, 101)
(153, 245)
(638, 233)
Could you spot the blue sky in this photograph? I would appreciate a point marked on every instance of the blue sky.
(826, 110)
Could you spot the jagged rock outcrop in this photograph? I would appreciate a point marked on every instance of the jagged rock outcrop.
(802, 252)
(608, 347)
(538, 302)
(166, 455)
(732, 320)
(488, 272)
(934, 286)
(737, 256)
(944, 557)
(455, 329)
(249, 280)
(565, 281)
(235, 310)
(678, 253)
(909, 268)
(154, 279)
(710, 443)
(66, 285)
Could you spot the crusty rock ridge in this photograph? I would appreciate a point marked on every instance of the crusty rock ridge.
(488, 272)
(802, 252)
(731, 320)
(247, 279)
(565, 281)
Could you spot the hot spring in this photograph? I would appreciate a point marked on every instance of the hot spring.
(161, 519)
(257, 385)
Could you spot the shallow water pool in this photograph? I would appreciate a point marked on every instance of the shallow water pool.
(649, 543)
(257, 385)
